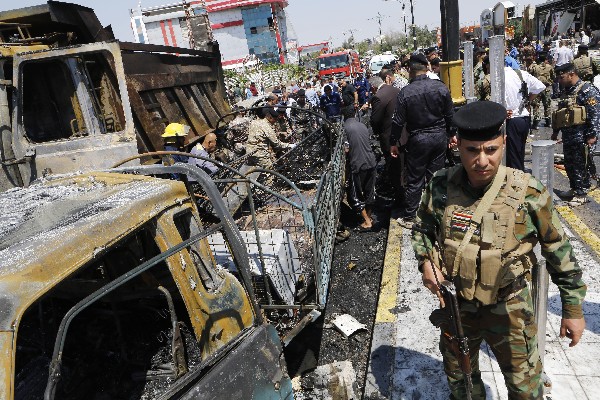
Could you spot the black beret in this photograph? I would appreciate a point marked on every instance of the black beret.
(583, 47)
(480, 120)
(479, 50)
(418, 59)
(568, 67)
(430, 50)
(301, 92)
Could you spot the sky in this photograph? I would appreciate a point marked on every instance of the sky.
(313, 20)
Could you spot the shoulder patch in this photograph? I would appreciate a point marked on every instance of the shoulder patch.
(592, 101)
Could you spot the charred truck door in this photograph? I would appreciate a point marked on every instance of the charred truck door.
(71, 110)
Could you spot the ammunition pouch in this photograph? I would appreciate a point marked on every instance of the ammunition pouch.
(569, 116)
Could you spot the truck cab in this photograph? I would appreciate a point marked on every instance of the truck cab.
(341, 64)
(109, 289)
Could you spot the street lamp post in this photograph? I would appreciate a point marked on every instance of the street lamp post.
(414, 28)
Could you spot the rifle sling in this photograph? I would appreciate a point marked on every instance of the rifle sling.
(482, 208)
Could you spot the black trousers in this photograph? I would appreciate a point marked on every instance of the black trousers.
(517, 130)
(425, 155)
(361, 191)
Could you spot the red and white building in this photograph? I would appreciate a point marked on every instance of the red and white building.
(243, 28)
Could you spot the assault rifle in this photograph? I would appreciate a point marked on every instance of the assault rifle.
(448, 320)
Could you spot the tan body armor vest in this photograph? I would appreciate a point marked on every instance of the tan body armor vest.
(584, 67)
(494, 257)
(569, 113)
(543, 72)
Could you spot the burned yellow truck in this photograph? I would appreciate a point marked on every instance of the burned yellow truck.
(73, 98)
(109, 289)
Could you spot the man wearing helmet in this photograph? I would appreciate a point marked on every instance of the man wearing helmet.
(174, 140)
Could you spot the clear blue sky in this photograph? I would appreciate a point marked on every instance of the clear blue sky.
(313, 20)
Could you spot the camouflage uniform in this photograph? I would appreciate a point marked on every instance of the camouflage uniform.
(545, 73)
(506, 324)
(575, 148)
(586, 68)
(261, 138)
(483, 89)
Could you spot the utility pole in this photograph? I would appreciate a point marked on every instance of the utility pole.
(405, 31)
(351, 33)
(414, 27)
(378, 18)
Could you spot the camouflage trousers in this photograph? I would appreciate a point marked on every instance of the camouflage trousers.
(543, 99)
(510, 331)
(577, 166)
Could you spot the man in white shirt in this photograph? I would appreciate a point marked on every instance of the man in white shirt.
(584, 38)
(563, 54)
(520, 89)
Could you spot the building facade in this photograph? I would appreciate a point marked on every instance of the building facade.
(244, 29)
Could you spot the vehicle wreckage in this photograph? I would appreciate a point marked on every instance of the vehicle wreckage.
(121, 282)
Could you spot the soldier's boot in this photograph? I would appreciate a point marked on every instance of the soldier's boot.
(534, 124)
(548, 123)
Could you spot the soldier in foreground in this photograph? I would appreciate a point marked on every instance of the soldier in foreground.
(477, 225)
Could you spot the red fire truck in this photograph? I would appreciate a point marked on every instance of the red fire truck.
(340, 64)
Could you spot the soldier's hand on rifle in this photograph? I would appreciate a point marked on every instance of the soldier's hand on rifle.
(591, 140)
(430, 282)
(573, 329)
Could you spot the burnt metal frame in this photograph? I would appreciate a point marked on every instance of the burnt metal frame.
(227, 225)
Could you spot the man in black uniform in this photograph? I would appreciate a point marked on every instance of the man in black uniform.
(425, 107)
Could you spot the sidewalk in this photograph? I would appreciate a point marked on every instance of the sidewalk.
(405, 362)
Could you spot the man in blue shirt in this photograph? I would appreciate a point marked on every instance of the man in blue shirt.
(331, 104)
(363, 88)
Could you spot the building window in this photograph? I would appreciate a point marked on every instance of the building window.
(253, 30)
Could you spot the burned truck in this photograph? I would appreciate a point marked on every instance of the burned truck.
(110, 288)
(73, 98)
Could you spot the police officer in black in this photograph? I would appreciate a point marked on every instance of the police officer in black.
(425, 107)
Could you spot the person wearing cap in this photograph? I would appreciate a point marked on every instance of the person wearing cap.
(483, 88)
(479, 54)
(579, 132)
(477, 225)
(425, 108)
(206, 146)
(544, 72)
(331, 104)
(520, 88)
(263, 141)
(585, 66)
(174, 140)
(361, 83)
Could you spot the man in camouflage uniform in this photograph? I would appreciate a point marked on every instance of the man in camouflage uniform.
(487, 252)
(544, 71)
(262, 138)
(483, 88)
(586, 67)
(578, 138)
